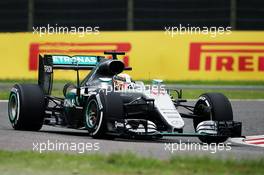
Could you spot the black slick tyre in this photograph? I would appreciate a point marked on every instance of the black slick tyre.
(212, 106)
(26, 107)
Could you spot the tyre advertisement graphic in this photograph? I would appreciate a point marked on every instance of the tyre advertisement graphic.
(237, 56)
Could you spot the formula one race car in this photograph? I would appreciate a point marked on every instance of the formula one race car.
(108, 103)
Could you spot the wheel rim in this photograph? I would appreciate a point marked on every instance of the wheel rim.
(92, 114)
(13, 107)
(200, 111)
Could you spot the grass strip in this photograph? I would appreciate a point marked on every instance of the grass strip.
(26, 162)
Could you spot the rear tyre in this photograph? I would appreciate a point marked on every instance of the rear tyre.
(212, 106)
(26, 107)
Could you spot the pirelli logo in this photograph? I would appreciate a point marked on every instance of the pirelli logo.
(226, 56)
(90, 48)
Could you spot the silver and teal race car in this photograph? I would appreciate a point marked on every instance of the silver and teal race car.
(108, 103)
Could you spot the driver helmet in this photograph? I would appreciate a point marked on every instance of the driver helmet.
(122, 81)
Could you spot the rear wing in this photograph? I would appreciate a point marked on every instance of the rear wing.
(49, 62)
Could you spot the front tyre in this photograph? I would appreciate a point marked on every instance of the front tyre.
(26, 107)
(216, 107)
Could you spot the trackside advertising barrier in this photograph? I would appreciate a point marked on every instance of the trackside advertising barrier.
(153, 55)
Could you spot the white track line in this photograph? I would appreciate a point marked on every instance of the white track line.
(234, 99)
(246, 99)
(3, 101)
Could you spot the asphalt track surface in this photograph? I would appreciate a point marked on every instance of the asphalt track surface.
(251, 113)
